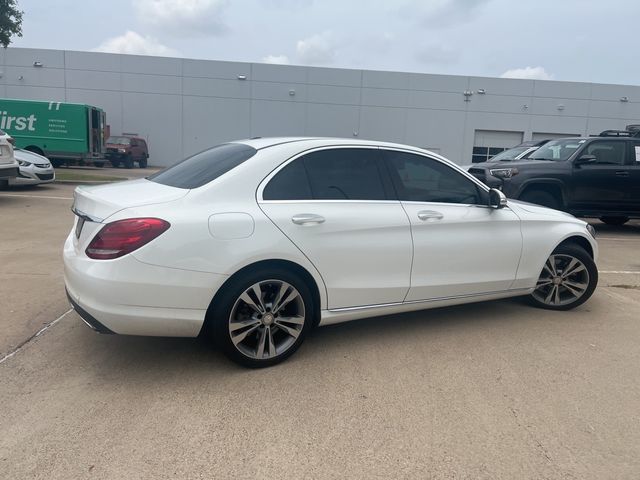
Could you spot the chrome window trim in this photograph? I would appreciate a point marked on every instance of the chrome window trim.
(393, 202)
(429, 155)
(276, 170)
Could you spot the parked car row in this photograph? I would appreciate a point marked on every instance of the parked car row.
(596, 176)
(22, 167)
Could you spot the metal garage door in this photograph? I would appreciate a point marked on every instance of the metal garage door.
(488, 143)
(546, 136)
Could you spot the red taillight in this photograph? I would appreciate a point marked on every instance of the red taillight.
(124, 236)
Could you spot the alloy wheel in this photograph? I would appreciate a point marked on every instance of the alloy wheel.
(267, 319)
(564, 280)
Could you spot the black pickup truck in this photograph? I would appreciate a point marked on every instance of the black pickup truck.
(595, 176)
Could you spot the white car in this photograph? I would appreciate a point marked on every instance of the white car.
(8, 163)
(34, 169)
(256, 242)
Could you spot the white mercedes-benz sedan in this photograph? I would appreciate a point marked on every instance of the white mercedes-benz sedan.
(256, 242)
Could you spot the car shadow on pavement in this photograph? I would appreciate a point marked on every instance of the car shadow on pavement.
(630, 228)
(135, 358)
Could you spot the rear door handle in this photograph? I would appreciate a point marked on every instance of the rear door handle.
(622, 173)
(307, 219)
(429, 215)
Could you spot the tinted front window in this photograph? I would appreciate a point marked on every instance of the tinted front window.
(611, 153)
(557, 150)
(119, 140)
(422, 179)
(204, 167)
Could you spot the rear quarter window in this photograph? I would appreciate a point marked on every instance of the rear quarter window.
(204, 167)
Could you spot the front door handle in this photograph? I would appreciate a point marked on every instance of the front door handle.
(307, 219)
(622, 173)
(425, 215)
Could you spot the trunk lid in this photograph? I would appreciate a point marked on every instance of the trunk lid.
(97, 203)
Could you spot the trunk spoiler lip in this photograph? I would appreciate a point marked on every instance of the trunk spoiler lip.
(86, 216)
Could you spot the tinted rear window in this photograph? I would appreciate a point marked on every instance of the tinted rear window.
(291, 183)
(204, 167)
(345, 174)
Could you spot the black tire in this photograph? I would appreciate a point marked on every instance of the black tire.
(143, 162)
(540, 197)
(128, 161)
(591, 278)
(614, 220)
(56, 163)
(228, 302)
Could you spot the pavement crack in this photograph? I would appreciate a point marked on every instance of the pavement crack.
(538, 443)
(33, 337)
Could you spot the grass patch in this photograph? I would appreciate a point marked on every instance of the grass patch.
(85, 177)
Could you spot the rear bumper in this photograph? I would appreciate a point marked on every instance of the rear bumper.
(128, 297)
(10, 172)
(86, 316)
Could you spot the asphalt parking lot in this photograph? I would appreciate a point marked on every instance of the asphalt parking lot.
(492, 390)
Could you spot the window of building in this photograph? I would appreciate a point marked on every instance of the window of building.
(483, 154)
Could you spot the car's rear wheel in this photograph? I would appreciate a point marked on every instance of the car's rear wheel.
(540, 197)
(143, 162)
(568, 279)
(261, 318)
(614, 220)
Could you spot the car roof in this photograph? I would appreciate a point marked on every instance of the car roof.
(265, 142)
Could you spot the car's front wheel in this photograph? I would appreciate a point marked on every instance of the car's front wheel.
(568, 279)
(260, 319)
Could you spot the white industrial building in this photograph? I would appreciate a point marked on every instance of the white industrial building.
(183, 106)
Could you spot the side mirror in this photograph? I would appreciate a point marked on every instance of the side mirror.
(497, 199)
(585, 159)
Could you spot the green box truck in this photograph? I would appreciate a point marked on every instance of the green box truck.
(63, 132)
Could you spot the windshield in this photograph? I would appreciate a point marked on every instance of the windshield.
(119, 140)
(510, 154)
(557, 150)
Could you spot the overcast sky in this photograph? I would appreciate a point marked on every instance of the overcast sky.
(582, 40)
